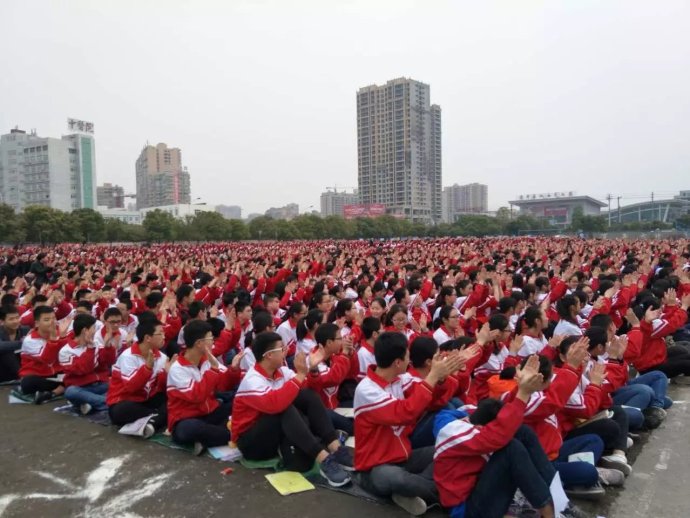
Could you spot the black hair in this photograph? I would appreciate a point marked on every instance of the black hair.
(264, 342)
(399, 295)
(498, 321)
(423, 348)
(111, 312)
(38, 298)
(487, 410)
(389, 346)
(394, 310)
(325, 332)
(42, 310)
(183, 292)
(153, 299)
(196, 308)
(458, 343)
(505, 304)
(9, 310)
(601, 320)
(528, 319)
(563, 307)
(308, 323)
(194, 331)
(82, 321)
(370, 325)
(545, 366)
(217, 326)
(146, 327)
(597, 336)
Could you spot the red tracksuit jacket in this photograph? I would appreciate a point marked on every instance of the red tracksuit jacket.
(85, 365)
(260, 394)
(385, 415)
(133, 380)
(39, 357)
(463, 449)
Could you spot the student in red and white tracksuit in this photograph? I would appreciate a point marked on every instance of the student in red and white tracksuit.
(39, 357)
(481, 460)
(422, 352)
(87, 366)
(337, 365)
(138, 379)
(388, 405)
(274, 411)
(194, 413)
(371, 328)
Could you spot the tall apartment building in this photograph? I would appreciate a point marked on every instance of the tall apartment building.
(161, 179)
(288, 212)
(399, 149)
(111, 196)
(58, 173)
(332, 202)
(464, 199)
(230, 211)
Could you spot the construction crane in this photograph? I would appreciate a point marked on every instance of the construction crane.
(335, 188)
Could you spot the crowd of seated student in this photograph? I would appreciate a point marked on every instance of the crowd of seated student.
(474, 369)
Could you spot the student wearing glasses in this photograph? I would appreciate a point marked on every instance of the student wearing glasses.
(273, 411)
(195, 416)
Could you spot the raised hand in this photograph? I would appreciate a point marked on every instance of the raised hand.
(577, 353)
(597, 375)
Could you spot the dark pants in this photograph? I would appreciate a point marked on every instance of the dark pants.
(414, 477)
(522, 464)
(677, 362)
(340, 422)
(126, 412)
(300, 432)
(9, 361)
(579, 473)
(32, 384)
(614, 431)
(210, 430)
(423, 434)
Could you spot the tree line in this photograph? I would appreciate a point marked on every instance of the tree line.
(40, 224)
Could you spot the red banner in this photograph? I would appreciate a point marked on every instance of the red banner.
(364, 211)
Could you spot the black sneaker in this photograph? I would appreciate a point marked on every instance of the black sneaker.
(595, 492)
(343, 457)
(42, 397)
(333, 472)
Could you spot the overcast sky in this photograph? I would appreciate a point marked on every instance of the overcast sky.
(545, 96)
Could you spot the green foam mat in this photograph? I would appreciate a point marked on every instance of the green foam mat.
(275, 464)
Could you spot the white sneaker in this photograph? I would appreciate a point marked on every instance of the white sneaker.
(611, 477)
(629, 442)
(616, 461)
(84, 408)
(149, 430)
(412, 504)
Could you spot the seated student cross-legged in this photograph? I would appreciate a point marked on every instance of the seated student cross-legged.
(39, 357)
(138, 381)
(87, 366)
(273, 411)
(481, 460)
(388, 405)
(194, 414)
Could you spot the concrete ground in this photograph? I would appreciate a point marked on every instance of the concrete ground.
(54, 465)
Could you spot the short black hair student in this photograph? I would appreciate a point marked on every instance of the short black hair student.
(273, 412)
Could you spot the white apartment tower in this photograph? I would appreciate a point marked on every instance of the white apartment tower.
(58, 173)
(399, 149)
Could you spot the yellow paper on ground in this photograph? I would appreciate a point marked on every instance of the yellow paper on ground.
(289, 482)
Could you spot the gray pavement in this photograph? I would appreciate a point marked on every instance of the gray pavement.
(55, 465)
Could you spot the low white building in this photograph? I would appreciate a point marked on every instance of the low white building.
(180, 210)
(126, 216)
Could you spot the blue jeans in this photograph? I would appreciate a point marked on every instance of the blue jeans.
(579, 473)
(644, 391)
(635, 417)
(93, 394)
(521, 464)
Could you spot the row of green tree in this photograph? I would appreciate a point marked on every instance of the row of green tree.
(46, 225)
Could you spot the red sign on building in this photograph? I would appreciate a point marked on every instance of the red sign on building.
(364, 211)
